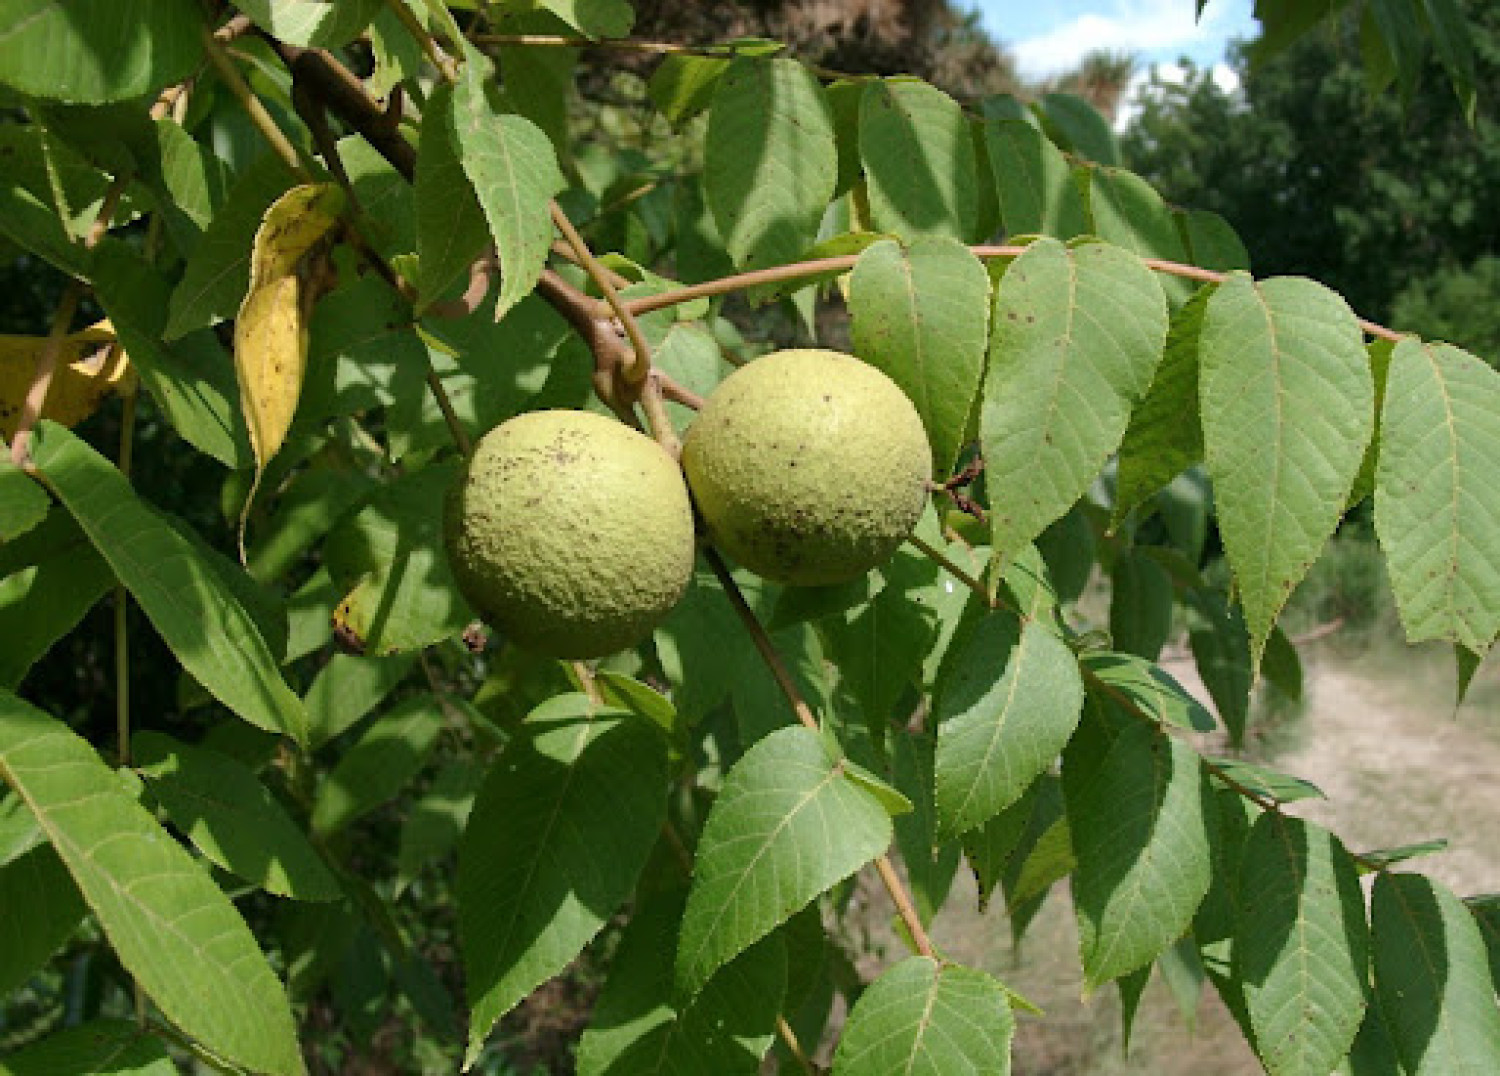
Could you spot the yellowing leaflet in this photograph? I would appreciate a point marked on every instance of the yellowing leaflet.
(270, 333)
(91, 366)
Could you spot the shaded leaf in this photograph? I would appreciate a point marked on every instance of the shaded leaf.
(1146, 687)
(1006, 702)
(1138, 808)
(637, 1029)
(115, 1047)
(78, 50)
(42, 909)
(1432, 979)
(379, 764)
(1034, 181)
(171, 926)
(232, 819)
(787, 826)
(769, 162)
(1301, 947)
(559, 832)
(918, 157)
(450, 223)
(188, 603)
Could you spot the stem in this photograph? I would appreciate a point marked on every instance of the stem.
(678, 392)
(434, 52)
(943, 560)
(41, 382)
(804, 713)
(590, 685)
(659, 48)
(636, 372)
(122, 600)
(275, 137)
(777, 274)
(794, 1047)
(460, 435)
(655, 406)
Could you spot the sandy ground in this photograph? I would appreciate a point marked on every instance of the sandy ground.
(1382, 740)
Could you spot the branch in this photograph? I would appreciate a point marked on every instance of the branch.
(842, 264)
(440, 59)
(783, 677)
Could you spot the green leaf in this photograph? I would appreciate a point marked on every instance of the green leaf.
(561, 828)
(1215, 921)
(879, 646)
(389, 557)
(924, 1018)
(930, 867)
(1381, 352)
(683, 86)
(450, 223)
(1128, 212)
(348, 688)
(1221, 652)
(990, 847)
(192, 379)
(182, 594)
(919, 160)
(1281, 666)
(1146, 687)
(787, 826)
(312, 23)
(79, 50)
(1435, 504)
(1432, 979)
(769, 161)
(19, 832)
(43, 602)
(1075, 340)
(1165, 435)
(638, 1030)
(1006, 702)
(173, 929)
(228, 814)
(1140, 604)
(116, 1047)
(593, 18)
(1301, 947)
(42, 909)
(1211, 241)
(33, 225)
(187, 180)
(1451, 35)
(1138, 812)
(843, 96)
(379, 764)
(1486, 911)
(435, 822)
(1182, 969)
(1264, 781)
(1034, 182)
(1287, 405)
(514, 172)
(1376, 859)
(920, 314)
(1044, 819)
(1131, 988)
(217, 273)
(23, 502)
(1076, 125)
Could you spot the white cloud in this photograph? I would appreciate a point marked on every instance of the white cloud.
(1140, 26)
(1223, 75)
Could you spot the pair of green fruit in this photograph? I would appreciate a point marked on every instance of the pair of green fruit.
(573, 534)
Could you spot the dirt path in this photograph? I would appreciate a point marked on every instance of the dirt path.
(1397, 764)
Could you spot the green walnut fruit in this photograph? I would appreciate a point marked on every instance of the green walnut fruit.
(808, 467)
(570, 533)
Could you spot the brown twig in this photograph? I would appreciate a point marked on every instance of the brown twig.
(677, 392)
(434, 52)
(783, 677)
(264, 123)
(817, 266)
(635, 373)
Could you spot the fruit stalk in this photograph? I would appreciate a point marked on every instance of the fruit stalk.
(767, 650)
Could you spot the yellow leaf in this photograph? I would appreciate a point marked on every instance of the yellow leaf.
(89, 369)
(270, 333)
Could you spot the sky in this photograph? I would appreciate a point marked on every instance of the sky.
(1050, 36)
